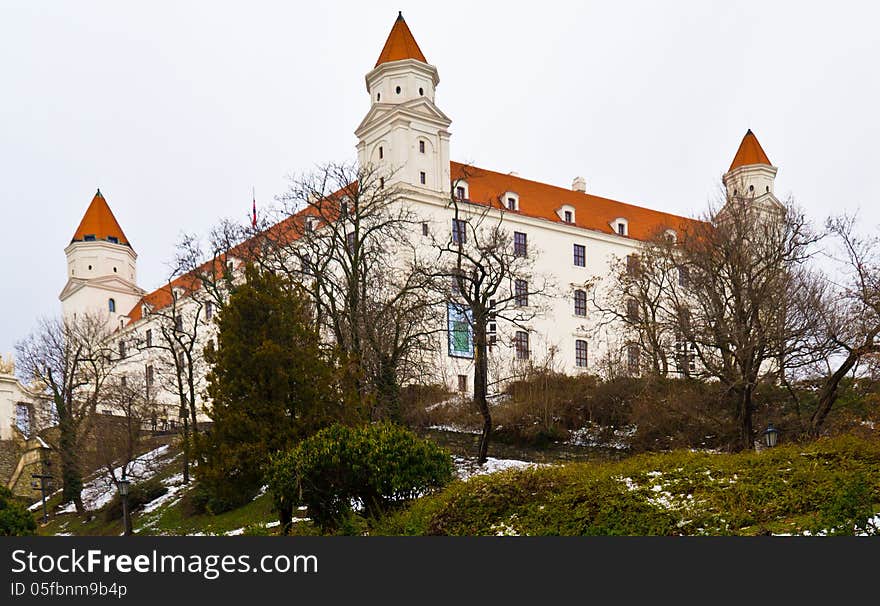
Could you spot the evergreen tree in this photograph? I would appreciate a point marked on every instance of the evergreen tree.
(271, 383)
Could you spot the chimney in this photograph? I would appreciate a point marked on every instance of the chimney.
(579, 184)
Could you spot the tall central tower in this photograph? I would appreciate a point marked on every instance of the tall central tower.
(404, 133)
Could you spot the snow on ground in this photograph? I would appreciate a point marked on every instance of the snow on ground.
(100, 490)
(175, 485)
(454, 429)
(591, 436)
(466, 468)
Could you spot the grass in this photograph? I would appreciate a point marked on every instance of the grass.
(831, 486)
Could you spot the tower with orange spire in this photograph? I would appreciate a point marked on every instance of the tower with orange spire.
(101, 267)
(404, 134)
(751, 175)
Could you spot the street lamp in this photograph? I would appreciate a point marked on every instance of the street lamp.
(126, 517)
(771, 434)
(45, 480)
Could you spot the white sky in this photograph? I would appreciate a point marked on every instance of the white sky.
(176, 109)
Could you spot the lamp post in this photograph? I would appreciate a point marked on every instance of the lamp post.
(123, 485)
(44, 485)
(771, 435)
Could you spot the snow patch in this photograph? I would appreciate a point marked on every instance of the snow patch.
(466, 468)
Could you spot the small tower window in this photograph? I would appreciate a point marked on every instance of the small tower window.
(113, 239)
(111, 305)
(424, 229)
(89, 238)
(381, 182)
(423, 177)
(378, 96)
(209, 310)
(381, 152)
(421, 92)
(90, 268)
(397, 90)
(751, 188)
(421, 147)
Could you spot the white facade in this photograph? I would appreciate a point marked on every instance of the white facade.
(406, 134)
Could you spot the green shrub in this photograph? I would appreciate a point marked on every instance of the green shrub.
(15, 519)
(376, 466)
(138, 495)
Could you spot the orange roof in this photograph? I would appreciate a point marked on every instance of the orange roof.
(542, 201)
(749, 152)
(400, 44)
(99, 223)
(536, 199)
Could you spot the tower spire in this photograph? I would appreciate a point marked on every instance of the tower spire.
(749, 152)
(98, 223)
(400, 44)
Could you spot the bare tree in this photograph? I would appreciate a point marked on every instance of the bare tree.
(849, 318)
(69, 360)
(738, 306)
(483, 275)
(347, 238)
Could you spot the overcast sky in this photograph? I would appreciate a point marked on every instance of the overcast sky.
(177, 109)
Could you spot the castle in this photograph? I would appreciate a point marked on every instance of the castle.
(574, 236)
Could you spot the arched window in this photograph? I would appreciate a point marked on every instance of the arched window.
(111, 305)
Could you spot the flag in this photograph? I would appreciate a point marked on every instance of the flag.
(254, 216)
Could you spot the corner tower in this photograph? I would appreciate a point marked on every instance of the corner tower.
(404, 133)
(101, 267)
(751, 175)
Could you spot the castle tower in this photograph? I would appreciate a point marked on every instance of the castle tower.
(751, 176)
(404, 133)
(101, 267)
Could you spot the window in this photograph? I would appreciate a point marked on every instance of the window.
(456, 282)
(462, 383)
(381, 152)
(23, 418)
(421, 92)
(580, 353)
(685, 357)
(423, 177)
(421, 147)
(580, 303)
(149, 376)
(493, 327)
(113, 239)
(178, 323)
(114, 270)
(229, 266)
(459, 192)
(632, 359)
(90, 268)
(123, 381)
(149, 337)
(459, 232)
(181, 360)
(521, 345)
(684, 275)
(632, 310)
(519, 244)
(378, 96)
(568, 216)
(89, 238)
(209, 310)
(621, 229)
(632, 264)
(381, 182)
(580, 255)
(397, 90)
(424, 229)
(111, 305)
(122, 349)
(521, 293)
(511, 204)
(350, 241)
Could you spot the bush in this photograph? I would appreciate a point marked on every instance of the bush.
(15, 519)
(377, 466)
(138, 495)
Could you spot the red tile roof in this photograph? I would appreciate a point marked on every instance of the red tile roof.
(400, 44)
(542, 201)
(99, 222)
(536, 199)
(749, 152)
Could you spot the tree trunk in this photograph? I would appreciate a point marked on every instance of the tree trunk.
(481, 385)
(185, 448)
(745, 407)
(828, 395)
(71, 476)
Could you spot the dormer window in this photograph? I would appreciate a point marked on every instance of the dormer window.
(566, 213)
(511, 201)
(671, 235)
(461, 190)
(620, 226)
(568, 216)
(89, 238)
(511, 204)
(113, 239)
